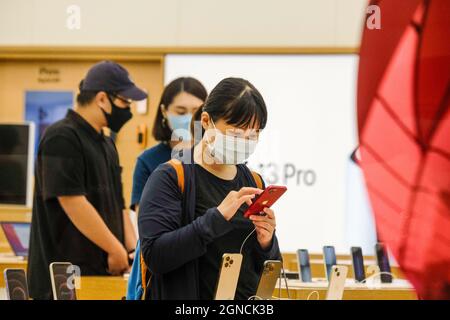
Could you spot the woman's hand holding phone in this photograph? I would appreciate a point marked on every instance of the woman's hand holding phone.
(265, 227)
(233, 201)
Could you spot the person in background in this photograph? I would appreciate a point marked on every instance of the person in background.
(180, 99)
(79, 212)
(184, 235)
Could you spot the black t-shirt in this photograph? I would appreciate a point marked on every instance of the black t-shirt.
(210, 191)
(73, 159)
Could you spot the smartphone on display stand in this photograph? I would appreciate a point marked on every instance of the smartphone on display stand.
(337, 283)
(329, 259)
(383, 263)
(304, 266)
(358, 264)
(228, 276)
(268, 280)
(62, 276)
(16, 284)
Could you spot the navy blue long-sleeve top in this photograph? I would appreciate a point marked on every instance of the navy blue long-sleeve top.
(146, 163)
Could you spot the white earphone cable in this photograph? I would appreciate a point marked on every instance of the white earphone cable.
(245, 240)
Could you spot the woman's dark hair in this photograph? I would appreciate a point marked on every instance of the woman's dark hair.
(237, 102)
(161, 130)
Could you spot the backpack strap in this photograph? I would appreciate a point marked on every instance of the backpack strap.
(145, 284)
(257, 179)
(178, 166)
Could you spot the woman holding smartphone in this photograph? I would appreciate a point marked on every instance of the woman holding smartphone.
(180, 99)
(184, 235)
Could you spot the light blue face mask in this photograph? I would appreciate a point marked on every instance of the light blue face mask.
(180, 125)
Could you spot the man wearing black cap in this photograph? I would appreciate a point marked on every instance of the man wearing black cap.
(79, 212)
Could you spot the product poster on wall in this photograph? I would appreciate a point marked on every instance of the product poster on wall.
(46, 107)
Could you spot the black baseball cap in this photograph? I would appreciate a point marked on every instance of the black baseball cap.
(111, 77)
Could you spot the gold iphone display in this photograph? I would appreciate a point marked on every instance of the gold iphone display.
(228, 276)
(337, 282)
(270, 274)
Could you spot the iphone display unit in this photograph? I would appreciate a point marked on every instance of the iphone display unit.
(337, 283)
(383, 263)
(358, 264)
(304, 267)
(62, 276)
(268, 280)
(329, 259)
(228, 276)
(16, 284)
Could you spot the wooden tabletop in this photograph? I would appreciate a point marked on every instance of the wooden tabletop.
(102, 288)
(398, 290)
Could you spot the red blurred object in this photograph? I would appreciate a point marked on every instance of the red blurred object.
(404, 132)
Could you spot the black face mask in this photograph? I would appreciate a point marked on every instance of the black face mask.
(118, 116)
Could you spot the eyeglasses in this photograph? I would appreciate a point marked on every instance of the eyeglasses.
(124, 100)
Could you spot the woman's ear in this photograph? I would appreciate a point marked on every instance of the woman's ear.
(205, 120)
(207, 127)
(164, 120)
(163, 110)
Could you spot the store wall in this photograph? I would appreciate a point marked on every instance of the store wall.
(304, 23)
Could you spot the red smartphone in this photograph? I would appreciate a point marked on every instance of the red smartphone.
(265, 200)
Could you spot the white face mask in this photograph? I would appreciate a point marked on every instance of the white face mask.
(228, 149)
